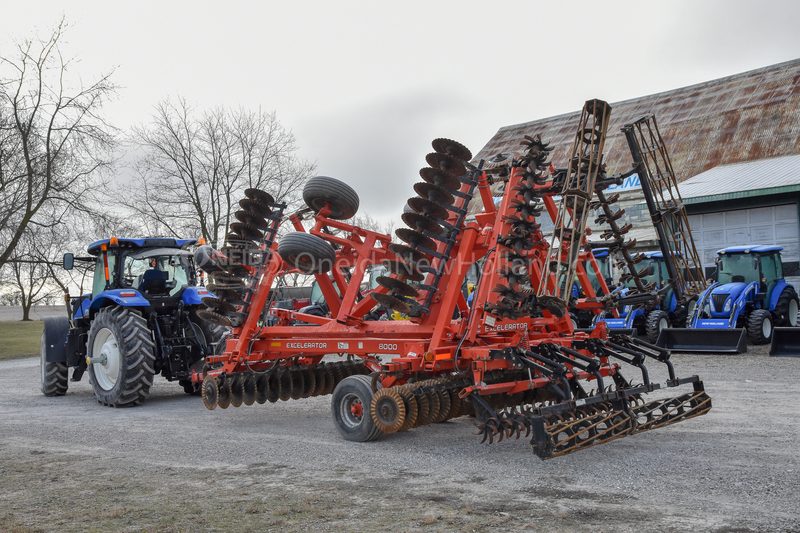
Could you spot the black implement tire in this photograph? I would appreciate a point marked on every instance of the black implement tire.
(656, 321)
(54, 374)
(307, 253)
(350, 406)
(122, 336)
(786, 308)
(759, 326)
(321, 189)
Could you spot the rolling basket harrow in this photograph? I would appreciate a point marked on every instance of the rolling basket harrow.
(512, 360)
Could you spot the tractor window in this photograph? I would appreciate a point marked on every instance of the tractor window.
(654, 278)
(174, 268)
(737, 268)
(770, 268)
(99, 281)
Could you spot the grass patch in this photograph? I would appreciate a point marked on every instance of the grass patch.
(20, 339)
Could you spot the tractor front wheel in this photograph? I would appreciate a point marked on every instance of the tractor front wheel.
(786, 308)
(759, 326)
(350, 406)
(656, 321)
(122, 357)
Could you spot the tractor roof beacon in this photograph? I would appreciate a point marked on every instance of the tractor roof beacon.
(140, 319)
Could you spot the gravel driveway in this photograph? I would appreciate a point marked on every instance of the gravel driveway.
(70, 464)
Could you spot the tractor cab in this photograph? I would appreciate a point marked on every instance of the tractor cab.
(740, 266)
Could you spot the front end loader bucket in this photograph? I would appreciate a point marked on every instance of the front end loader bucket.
(705, 340)
(785, 342)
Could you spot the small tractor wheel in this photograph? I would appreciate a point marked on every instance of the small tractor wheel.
(54, 374)
(690, 309)
(759, 326)
(307, 253)
(786, 309)
(350, 406)
(124, 352)
(322, 190)
(656, 321)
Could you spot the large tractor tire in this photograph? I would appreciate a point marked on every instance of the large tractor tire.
(350, 406)
(759, 326)
(307, 253)
(54, 374)
(322, 190)
(656, 321)
(122, 343)
(786, 308)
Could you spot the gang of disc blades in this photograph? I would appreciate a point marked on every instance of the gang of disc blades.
(451, 147)
(434, 193)
(422, 205)
(396, 286)
(218, 304)
(440, 178)
(246, 230)
(239, 241)
(214, 318)
(419, 222)
(259, 196)
(414, 238)
(449, 164)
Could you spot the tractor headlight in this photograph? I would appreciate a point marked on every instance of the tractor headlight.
(626, 309)
(727, 307)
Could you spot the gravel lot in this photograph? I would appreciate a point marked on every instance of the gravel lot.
(69, 464)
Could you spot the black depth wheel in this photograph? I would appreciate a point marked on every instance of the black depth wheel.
(322, 190)
(307, 253)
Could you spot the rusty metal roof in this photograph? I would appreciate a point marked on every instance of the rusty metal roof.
(744, 117)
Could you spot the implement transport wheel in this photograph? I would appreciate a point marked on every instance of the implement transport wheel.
(322, 190)
(786, 308)
(656, 321)
(350, 406)
(759, 326)
(54, 374)
(123, 351)
(307, 253)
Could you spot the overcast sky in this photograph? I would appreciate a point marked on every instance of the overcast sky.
(366, 86)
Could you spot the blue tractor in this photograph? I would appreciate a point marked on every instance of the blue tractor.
(650, 321)
(139, 320)
(749, 292)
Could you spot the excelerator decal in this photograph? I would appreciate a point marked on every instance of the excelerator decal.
(506, 327)
(304, 345)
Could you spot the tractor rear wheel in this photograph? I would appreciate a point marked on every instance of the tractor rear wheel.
(786, 309)
(123, 351)
(350, 406)
(759, 326)
(656, 321)
(307, 253)
(54, 374)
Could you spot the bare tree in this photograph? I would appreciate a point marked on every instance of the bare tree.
(31, 272)
(54, 145)
(194, 168)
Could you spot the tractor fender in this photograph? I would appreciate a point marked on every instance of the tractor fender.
(114, 297)
(776, 294)
(85, 305)
(54, 337)
(195, 295)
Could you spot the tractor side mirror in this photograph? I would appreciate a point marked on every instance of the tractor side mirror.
(69, 261)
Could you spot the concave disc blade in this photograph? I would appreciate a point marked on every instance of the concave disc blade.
(451, 147)
(214, 318)
(259, 196)
(420, 222)
(254, 206)
(408, 254)
(254, 219)
(403, 270)
(246, 230)
(396, 286)
(421, 205)
(447, 163)
(218, 305)
(434, 193)
(440, 178)
(390, 302)
(414, 238)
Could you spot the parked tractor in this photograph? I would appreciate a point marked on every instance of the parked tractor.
(749, 293)
(141, 319)
(512, 360)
